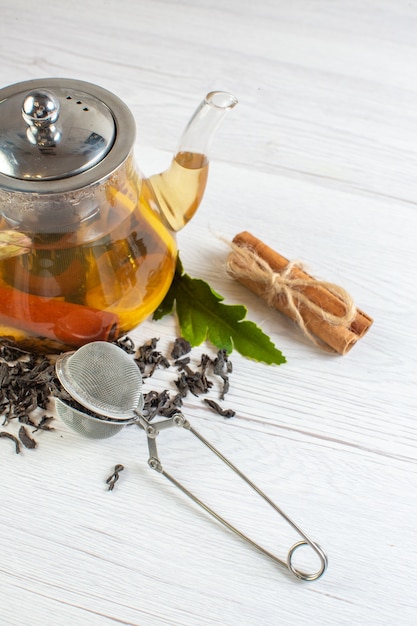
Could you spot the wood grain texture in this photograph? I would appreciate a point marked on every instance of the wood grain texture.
(319, 160)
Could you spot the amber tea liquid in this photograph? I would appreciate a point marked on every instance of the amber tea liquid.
(180, 189)
(123, 274)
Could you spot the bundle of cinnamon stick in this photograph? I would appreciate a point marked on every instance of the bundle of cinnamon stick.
(324, 311)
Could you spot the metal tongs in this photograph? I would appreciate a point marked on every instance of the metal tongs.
(103, 379)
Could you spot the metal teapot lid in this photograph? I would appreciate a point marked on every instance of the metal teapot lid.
(60, 135)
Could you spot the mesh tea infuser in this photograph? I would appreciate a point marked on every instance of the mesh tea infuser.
(107, 386)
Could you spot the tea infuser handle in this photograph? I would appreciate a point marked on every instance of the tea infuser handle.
(154, 462)
(317, 549)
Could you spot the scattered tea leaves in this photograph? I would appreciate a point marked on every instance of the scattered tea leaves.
(44, 423)
(148, 359)
(161, 404)
(127, 344)
(192, 381)
(27, 381)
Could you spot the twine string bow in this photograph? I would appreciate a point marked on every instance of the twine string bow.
(244, 263)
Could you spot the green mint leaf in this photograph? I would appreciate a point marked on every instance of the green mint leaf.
(203, 316)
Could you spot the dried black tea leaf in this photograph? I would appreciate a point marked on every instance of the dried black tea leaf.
(26, 419)
(15, 440)
(222, 366)
(26, 439)
(114, 477)
(184, 361)
(4, 374)
(181, 347)
(44, 423)
(218, 409)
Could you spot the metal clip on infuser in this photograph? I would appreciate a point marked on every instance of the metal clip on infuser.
(106, 382)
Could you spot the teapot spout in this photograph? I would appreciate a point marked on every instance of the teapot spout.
(179, 190)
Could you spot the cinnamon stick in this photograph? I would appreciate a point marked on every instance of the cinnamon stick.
(316, 316)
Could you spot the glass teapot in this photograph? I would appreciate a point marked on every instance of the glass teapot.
(87, 244)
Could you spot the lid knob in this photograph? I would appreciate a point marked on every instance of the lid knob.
(40, 108)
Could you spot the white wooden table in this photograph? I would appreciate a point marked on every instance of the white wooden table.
(319, 160)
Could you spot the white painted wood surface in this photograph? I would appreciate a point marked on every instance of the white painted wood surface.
(320, 161)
